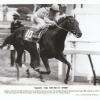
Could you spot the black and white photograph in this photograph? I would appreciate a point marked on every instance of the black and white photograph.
(50, 44)
(49, 48)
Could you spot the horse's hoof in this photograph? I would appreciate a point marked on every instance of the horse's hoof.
(42, 80)
(28, 73)
(28, 76)
(65, 81)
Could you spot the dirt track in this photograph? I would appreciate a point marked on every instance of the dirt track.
(27, 81)
(9, 73)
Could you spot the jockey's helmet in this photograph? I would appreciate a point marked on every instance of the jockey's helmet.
(55, 7)
(16, 15)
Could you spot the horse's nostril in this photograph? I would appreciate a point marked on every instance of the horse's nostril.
(79, 35)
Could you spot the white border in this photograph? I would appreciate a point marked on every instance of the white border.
(45, 97)
(49, 1)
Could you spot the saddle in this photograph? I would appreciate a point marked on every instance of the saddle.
(33, 36)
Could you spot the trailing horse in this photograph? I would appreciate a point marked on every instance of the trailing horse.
(51, 44)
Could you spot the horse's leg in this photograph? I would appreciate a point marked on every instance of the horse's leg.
(17, 67)
(28, 73)
(46, 64)
(35, 61)
(62, 58)
(19, 61)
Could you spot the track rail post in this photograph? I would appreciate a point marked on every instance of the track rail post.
(94, 74)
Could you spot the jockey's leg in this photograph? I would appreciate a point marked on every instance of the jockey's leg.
(40, 23)
(39, 26)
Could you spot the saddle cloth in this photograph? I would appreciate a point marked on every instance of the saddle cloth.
(32, 36)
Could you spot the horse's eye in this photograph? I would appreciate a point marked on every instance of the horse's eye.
(78, 23)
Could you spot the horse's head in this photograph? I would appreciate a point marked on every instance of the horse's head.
(72, 26)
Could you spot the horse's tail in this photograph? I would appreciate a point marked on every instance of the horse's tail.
(8, 40)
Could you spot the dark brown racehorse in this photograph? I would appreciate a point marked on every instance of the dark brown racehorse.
(51, 44)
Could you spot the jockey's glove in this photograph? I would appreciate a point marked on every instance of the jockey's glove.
(53, 23)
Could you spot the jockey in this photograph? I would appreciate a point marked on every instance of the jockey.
(44, 17)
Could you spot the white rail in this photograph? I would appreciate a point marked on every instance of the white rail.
(73, 51)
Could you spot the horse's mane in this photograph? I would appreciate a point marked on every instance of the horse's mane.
(61, 20)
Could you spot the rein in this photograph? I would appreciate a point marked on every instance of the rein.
(62, 28)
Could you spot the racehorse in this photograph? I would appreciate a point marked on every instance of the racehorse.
(51, 44)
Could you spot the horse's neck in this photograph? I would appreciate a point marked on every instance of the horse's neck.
(60, 34)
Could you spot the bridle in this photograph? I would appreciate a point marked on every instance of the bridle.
(62, 28)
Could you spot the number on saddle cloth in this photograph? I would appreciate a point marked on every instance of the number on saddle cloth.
(31, 36)
(28, 35)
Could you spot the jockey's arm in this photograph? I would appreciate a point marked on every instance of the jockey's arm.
(49, 22)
